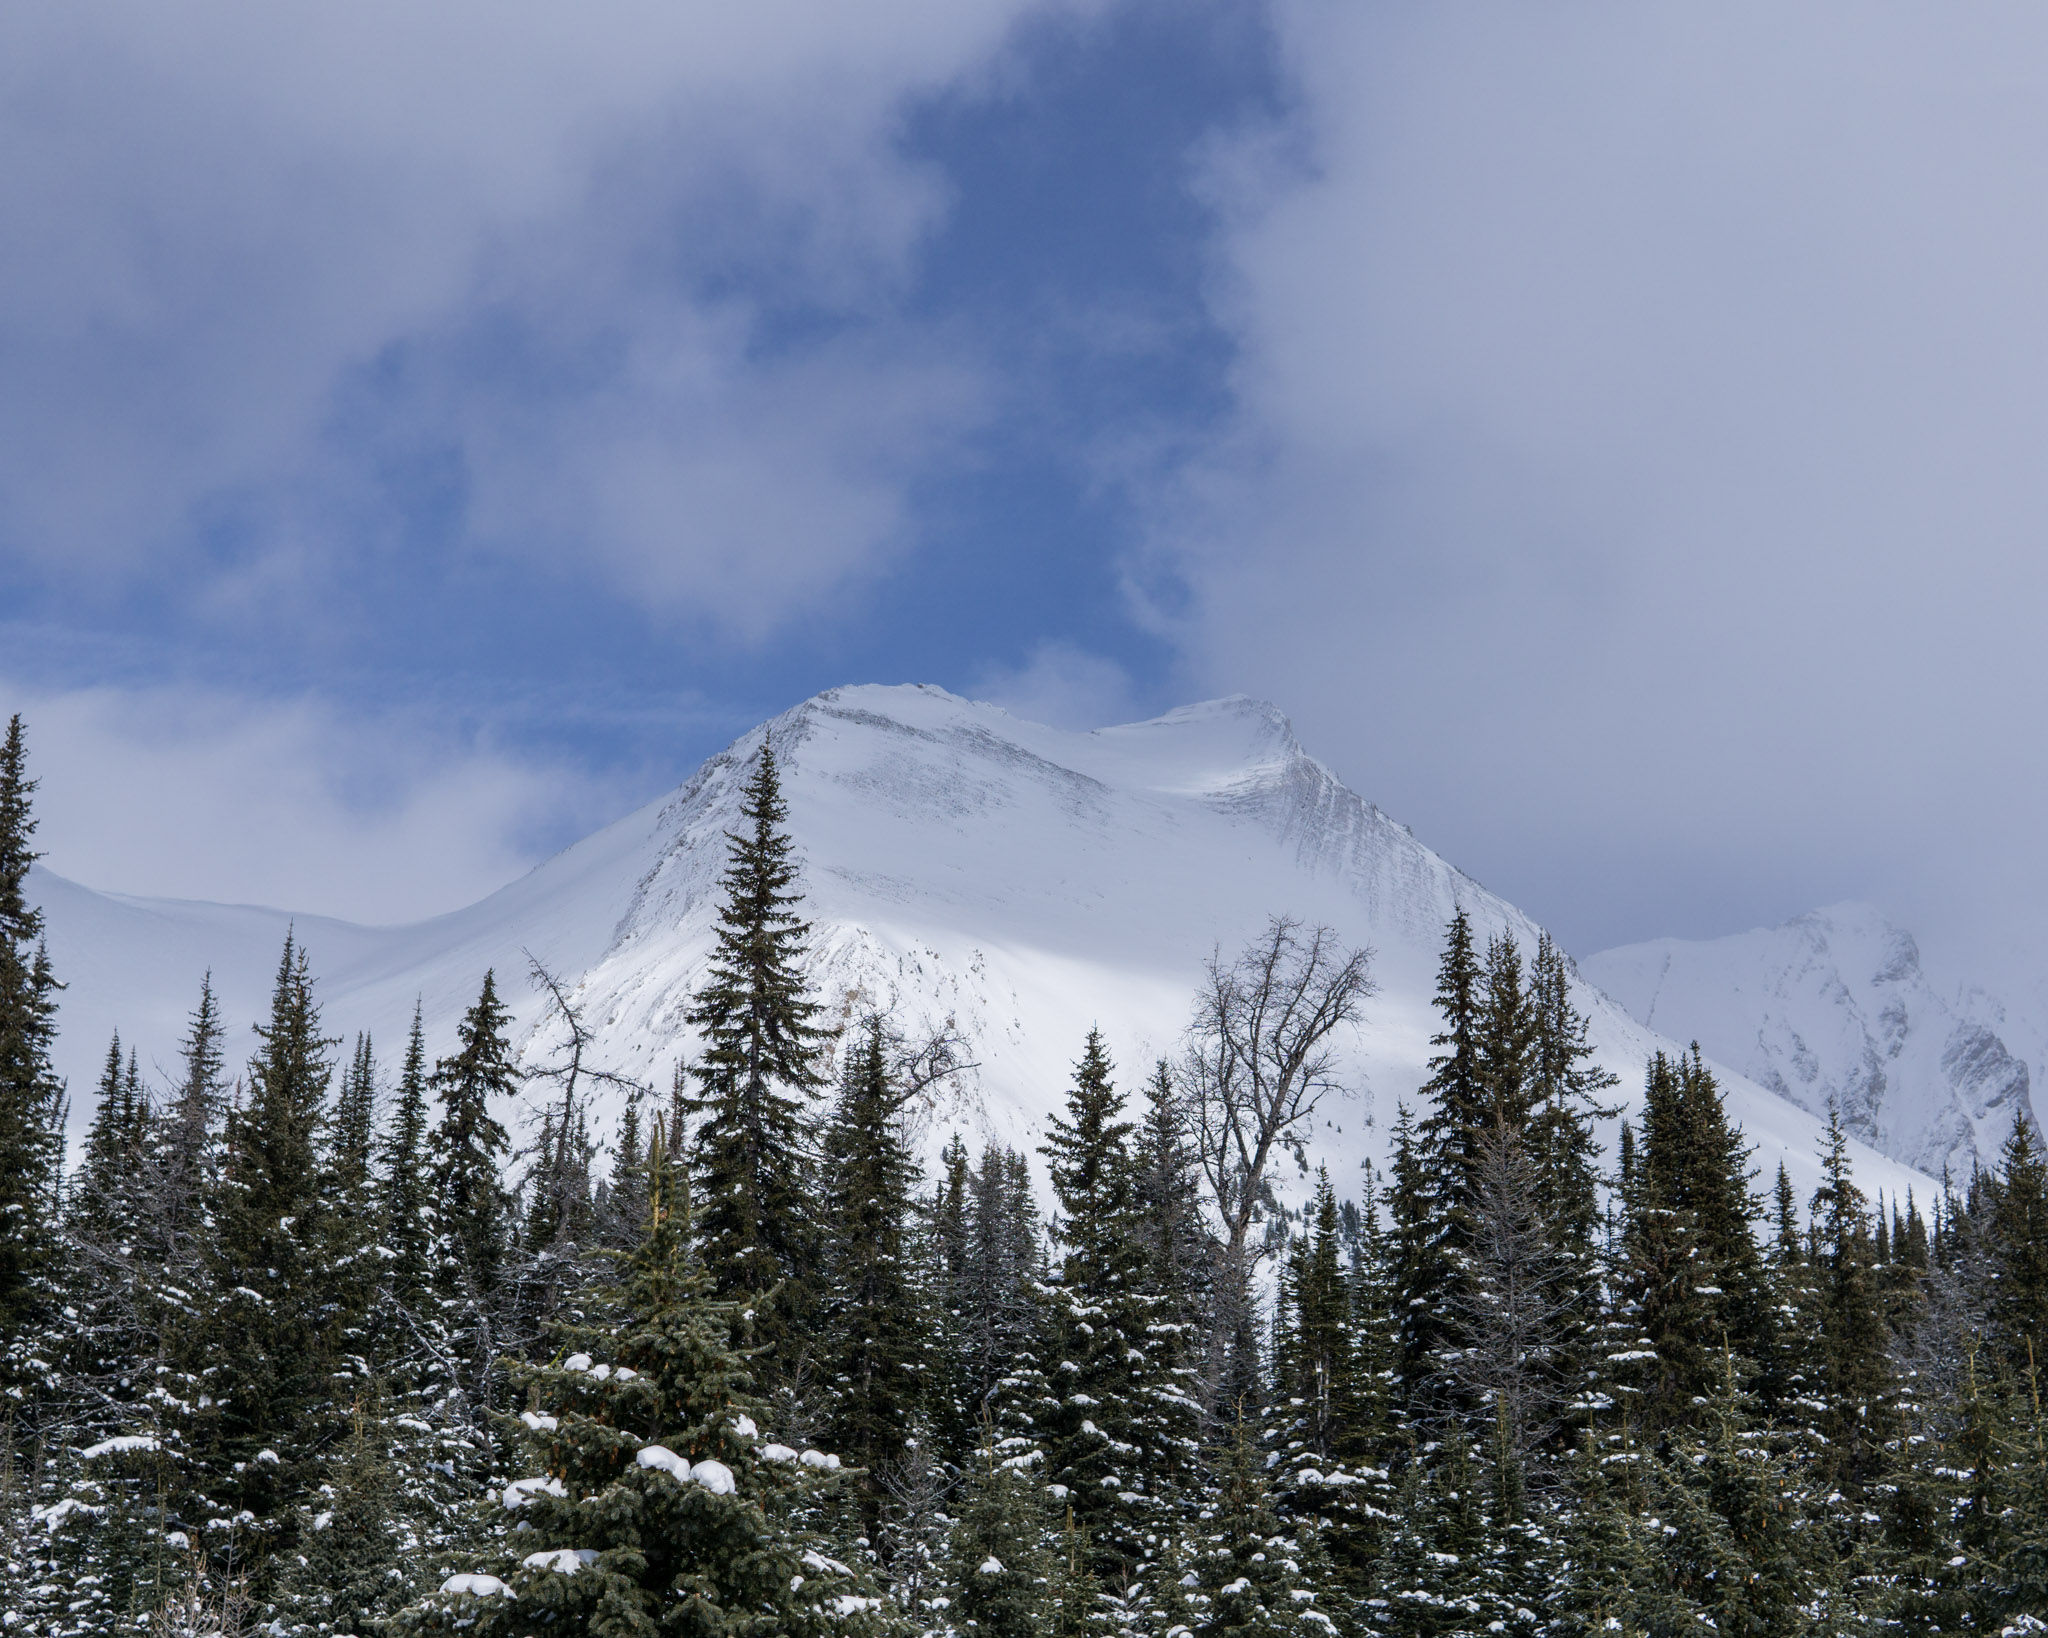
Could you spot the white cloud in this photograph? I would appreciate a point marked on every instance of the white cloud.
(1062, 686)
(186, 793)
(1636, 483)
(541, 236)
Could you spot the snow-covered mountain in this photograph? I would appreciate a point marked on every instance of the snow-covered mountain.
(1025, 881)
(1835, 1006)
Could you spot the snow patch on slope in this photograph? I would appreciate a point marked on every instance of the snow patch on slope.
(1024, 881)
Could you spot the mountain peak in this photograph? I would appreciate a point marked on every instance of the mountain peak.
(959, 863)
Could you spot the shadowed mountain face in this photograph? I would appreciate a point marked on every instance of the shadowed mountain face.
(1023, 881)
(1835, 1007)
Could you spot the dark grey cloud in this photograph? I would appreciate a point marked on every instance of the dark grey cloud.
(1638, 478)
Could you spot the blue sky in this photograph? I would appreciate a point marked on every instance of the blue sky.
(1611, 432)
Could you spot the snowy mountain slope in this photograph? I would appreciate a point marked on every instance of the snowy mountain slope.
(1835, 1006)
(1024, 881)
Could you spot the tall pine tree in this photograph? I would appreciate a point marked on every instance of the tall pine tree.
(751, 1165)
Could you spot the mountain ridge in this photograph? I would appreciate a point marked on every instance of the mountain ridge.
(1835, 1006)
(958, 861)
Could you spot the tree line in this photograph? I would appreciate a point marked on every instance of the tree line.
(313, 1346)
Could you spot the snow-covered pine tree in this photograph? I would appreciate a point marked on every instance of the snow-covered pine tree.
(354, 1263)
(1857, 1382)
(1255, 1575)
(1327, 1423)
(2019, 1238)
(1431, 1179)
(472, 1206)
(998, 1371)
(751, 1164)
(406, 1216)
(655, 1504)
(622, 1213)
(31, 1095)
(1690, 1275)
(1003, 1567)
(268, 1336)
(1099, 1359)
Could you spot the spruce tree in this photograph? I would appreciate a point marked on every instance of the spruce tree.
(31, 1094)
(656, 1502)
(1328, 1424)
(268, 1350)
(624, 1216)
(1255, 1575)
(473, 1207)
(876, 1325)
(1003, 1565)
(751, 1165)
(1122, 1428)
(352, 1215)
(1434, 1179)
(407, 1217)
(2019, 1237)
(1857, 1380)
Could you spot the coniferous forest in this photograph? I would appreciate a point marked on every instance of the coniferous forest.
(321, 1340)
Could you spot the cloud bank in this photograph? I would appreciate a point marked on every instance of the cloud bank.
(1635, 481)
(610, 288)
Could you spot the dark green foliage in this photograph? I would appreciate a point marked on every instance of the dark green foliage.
(2019, 1230)
(1856, 1379)
(470, 1144)
(31, 1096)
(1120, 1430)
(270, 1331)
(750, 1164)
(877, 1326)
(1255, 1575)
(622, 1213)
(654, 1502)
(407, 1219)
(1004, 1568)
(1692, 1278)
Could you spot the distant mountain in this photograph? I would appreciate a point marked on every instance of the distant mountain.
(1834, 1006)
(1025, 881)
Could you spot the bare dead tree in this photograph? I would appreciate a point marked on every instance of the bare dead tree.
(569, 1069)
(562, 1158)
(1259, 1058)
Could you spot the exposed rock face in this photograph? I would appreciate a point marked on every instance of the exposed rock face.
(1836, 1007)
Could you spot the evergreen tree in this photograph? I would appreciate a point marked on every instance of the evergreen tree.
(268, 1351)
(1692, 1277)
(624, 1216)
(1004, 1569)
(1167, 1192)
(1506, 1037)
(656, 1504)
(1738, 1544)
(473, 1207)
(352, 1210)
(875, 1321)
(1329, 1418)
(1855, 1342)
(1434, 1179)
(1122, 1427)
(1255, 1575)
(759, 1066)
(408, 1219)
(2019, 1237)
(31, 1095)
